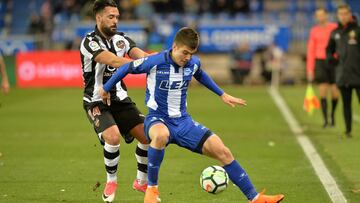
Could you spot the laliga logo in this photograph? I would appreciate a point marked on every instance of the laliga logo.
(27, 71)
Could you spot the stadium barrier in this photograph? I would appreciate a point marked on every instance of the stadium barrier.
(56, 69)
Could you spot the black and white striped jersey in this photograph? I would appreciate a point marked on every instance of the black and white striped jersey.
(96, 74)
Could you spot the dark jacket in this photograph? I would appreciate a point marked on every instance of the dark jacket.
(343, 52)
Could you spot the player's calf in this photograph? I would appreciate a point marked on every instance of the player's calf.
(216, 149)
(224, 155)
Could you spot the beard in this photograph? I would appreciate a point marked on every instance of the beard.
(109, 31)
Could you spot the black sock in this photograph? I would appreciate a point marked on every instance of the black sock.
(333, 107)
(324, 109)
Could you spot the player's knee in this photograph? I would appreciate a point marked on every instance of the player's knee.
(161, 138)
(113, 139)
(112, 136)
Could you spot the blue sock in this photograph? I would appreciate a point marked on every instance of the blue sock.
(240, 178)
(155, 157)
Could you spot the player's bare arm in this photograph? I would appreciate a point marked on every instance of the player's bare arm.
(109, 58)
(137, 53)
(232, 101)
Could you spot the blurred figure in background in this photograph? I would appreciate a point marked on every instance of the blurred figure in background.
(86, 11)
(275, 63)
(271, 62)
(317, 68)
(344, 50)
(126, 9)
(36, 25)
(204, 7)
(5, 86)
(240, 6)
(144, 10)
(220, 6)
(241, 59)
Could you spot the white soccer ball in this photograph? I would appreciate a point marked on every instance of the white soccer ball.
(214, 179)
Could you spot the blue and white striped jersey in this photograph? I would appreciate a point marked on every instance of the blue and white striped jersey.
(167, 83)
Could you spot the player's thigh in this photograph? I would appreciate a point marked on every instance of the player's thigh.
(323, 89)
(139, 133)
(155, 125)
(215, 148)
(191, 135)
(103, 122)
(128, 118)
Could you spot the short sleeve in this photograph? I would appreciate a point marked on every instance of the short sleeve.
(90, 47)
(131, 42)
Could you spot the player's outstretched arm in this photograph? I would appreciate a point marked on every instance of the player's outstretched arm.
(110, 59)
(118, 75)
(142, 65)
(232, 101)
(209, 83)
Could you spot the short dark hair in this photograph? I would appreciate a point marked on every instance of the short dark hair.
(321, 9)
(343, 6)
(187, 36)
(99, 5)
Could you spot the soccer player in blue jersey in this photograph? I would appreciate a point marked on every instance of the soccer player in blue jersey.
(168, 76)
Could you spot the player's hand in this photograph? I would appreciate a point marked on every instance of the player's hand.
(310, 77)
(5, 87)
(232, 101)
(105, 96)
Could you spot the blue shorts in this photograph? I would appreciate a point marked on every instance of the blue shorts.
(184, 131)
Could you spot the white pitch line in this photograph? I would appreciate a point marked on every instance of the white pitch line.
(317, 163)
(356, 118)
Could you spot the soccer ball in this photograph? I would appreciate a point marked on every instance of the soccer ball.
(214, 179)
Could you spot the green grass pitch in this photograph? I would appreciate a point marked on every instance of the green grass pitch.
(49, 152)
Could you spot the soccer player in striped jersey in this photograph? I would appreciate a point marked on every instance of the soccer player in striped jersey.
(102, 51)
(168, 76)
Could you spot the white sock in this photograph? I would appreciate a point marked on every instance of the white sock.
(111, 159)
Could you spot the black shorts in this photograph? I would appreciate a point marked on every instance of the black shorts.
(123, 114)
(324, 72)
